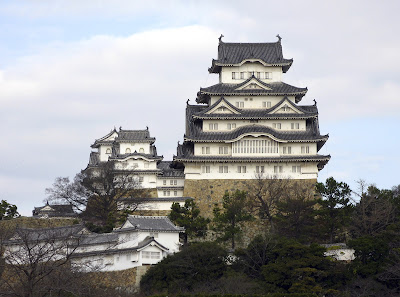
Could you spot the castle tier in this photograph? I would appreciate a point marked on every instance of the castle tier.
(250, 123)
(134, 152)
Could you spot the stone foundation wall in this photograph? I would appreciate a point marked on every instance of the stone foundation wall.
(208, 193)
(126, 280)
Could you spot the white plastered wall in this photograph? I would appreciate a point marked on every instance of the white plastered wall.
(136, 163)
(252, 102)
(223, 124)
(309, 170)
(226, 72)
(103, 152)
(141, 147)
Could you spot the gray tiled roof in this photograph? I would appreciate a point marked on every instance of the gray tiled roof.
(168, 171)
(298, 136)
(308, 111)
(125, 136)
(155, 223)
(94, 159)
(94, 239)
(147, 241)
(134, 136)
(135, 154)
(276, 89)
(235, 53)
(57, 211)
(140, 245)
(44, 234)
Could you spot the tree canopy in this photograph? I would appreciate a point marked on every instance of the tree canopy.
(8, 211)
(228, 220)
(335, 209)
(188, 216)
(197, 263)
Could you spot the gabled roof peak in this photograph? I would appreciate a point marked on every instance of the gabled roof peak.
(234, 53)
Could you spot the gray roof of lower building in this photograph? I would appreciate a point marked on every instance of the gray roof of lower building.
(154, 223)
(95, 239)
(43, 234)
(57, 210)
(140, 245)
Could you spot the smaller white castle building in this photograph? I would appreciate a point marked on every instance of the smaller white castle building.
(142, 240)
(134, 152)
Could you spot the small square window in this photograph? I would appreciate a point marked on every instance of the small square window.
(241, 169)
(259, 169)
(277, 125)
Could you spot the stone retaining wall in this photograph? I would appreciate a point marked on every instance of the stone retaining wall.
(208, 193)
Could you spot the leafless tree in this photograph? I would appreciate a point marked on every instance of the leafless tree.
(96, 190)
(37, 259)
(374, 211)
(266, 191)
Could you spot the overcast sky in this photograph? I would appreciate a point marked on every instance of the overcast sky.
(70, 71)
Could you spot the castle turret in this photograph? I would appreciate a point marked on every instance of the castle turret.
(250, 122)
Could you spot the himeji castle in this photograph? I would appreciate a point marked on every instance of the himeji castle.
(248, 125)
(250, 122)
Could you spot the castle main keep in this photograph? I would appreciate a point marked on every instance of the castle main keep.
(250, 124)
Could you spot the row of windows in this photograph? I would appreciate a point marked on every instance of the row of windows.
(127, 151)
(247, 74)
(135, 165)
(151, 255)
(243, 169)
(215, 126)
(168, 193)
(223, 150)
(265, 104)
(293, 126)
(253, 147)
(131, 179)
(172, 182)
(279, 169)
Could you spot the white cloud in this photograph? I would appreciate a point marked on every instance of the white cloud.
(57, 102)
(60, 97)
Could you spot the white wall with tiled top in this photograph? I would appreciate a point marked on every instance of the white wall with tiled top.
(226, 72)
